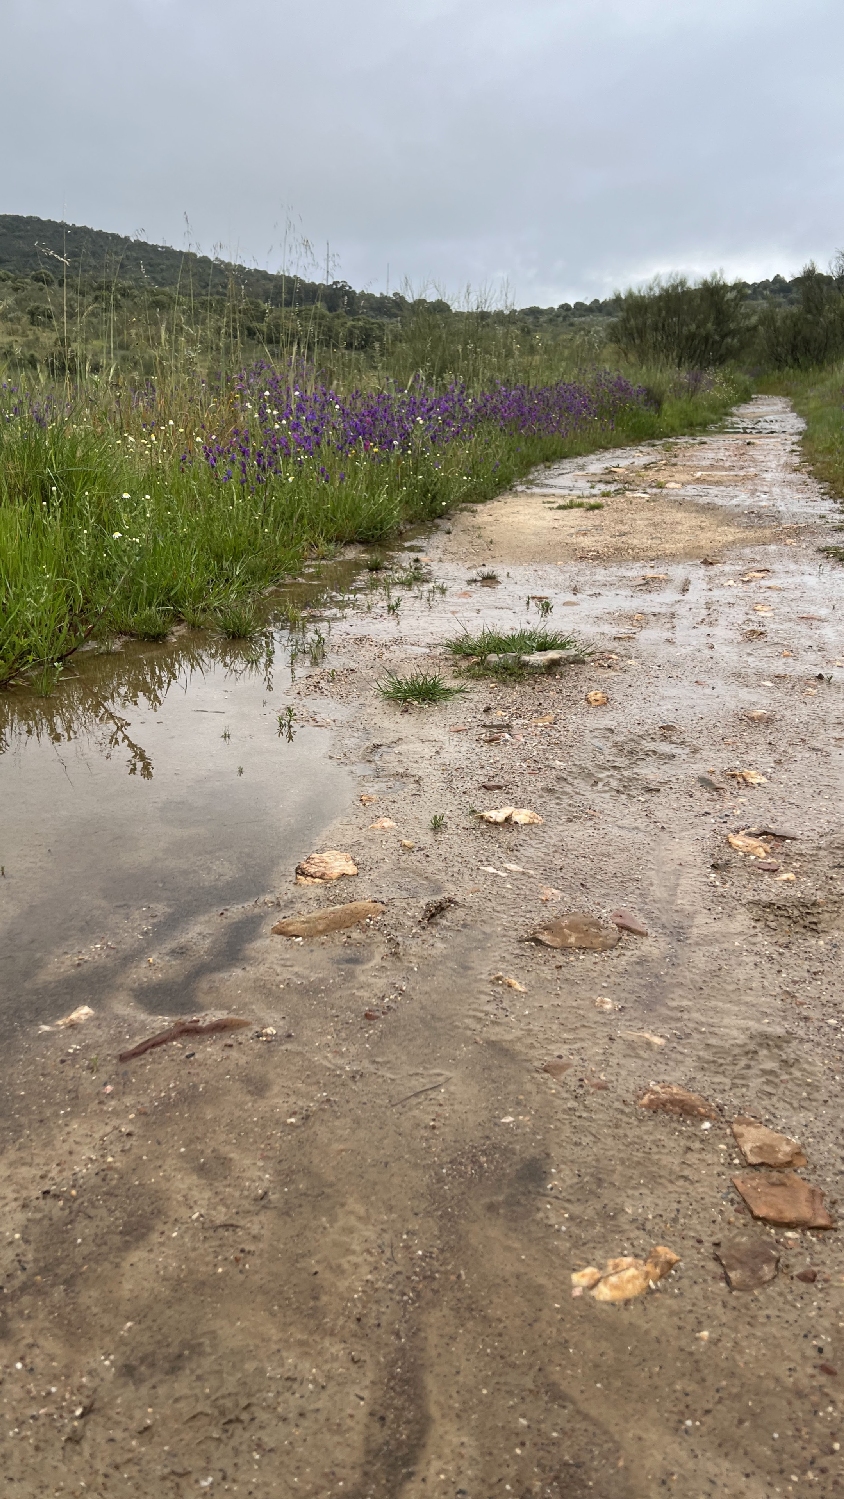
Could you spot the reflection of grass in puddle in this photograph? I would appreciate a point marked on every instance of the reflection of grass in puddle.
(417, 687)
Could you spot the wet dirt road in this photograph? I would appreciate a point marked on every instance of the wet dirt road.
(331, 1254)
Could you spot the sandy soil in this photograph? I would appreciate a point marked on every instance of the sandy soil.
(330, 1254)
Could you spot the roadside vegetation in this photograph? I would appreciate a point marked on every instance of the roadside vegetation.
(164, 458)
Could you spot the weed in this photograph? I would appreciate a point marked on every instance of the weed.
(579, 505)
(236, 619)
(418, 687)
(316, 647)
(437, 822)
(394, 605)
(240, 770)
(226, 735)
(150, 624)
(522, 642)
(375, 564)
(285, 724)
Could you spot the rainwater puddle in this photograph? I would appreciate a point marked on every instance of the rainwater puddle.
(158, 787)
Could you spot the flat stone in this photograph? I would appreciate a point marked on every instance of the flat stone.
(544, 660)
(577, 930)
(628, 921)
(319, 868)
(669, 1098)
(748, 1263)
(764, 1147)
(334, 919)
(784, 1198)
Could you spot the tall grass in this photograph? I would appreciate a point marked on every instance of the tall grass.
(112, 519)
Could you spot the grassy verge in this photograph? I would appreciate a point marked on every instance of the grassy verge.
(818, 396)
(113, 521)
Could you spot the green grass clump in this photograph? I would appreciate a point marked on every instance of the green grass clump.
(580, 505)
(524, 642)
(236, 619)
(419, 687)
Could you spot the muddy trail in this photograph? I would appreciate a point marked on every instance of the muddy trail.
(331, 1252)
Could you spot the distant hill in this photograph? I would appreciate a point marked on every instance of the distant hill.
(37, 248)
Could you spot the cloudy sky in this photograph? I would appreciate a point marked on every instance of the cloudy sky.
(560, 147)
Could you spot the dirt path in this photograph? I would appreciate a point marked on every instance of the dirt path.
(331, 1254)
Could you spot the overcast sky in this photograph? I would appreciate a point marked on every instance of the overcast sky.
(564, 147)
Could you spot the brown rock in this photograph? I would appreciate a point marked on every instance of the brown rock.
(334, 919)
(577, 930)
(781, 1197)
(588, 1277)
(744, 844)
(627, 921)
(599, 700)
(764, 1147)
(381, 824)
(319, 868)
(748, 1263)
(623, 1285)
(556, 1068)
(669, 1098)
(660, 1260)
(808, 1276)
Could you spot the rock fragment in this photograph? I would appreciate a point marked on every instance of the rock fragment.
(670, 1098)
(744, 844)
(577, 930)
(628, 921)
(761, 1146)
(520, 815)
(597, 699)
(318, 869)
(783, 1198)
(333, 919)
(748, 1263)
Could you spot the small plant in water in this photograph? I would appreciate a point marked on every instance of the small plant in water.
(236, 618)
(375, 564)
(418, 687)
(285, 724)
(437, 822)
(151, 624)
(316, 648)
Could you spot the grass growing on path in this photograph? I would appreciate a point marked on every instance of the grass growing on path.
(525, 642)
(126, 511)
(419, 687)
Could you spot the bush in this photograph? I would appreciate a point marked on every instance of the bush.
(674, 323)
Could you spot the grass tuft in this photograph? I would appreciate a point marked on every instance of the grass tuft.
(525, 642)
(579, 505)
(236, 619)
(419, 687)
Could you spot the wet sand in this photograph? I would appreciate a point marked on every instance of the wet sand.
(330, 1254)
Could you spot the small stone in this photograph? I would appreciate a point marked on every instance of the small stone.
(748, 1263)
(784, 1198)
(381, 824)
(557, 1067)
(317, 869)
(334, 919)
(597, 700)
(627, 921)
(744, 844)
(669, 1098)
(764, 1147)
(577, 930)
(588, 1277)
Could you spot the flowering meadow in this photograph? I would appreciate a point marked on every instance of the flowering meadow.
(125, 510)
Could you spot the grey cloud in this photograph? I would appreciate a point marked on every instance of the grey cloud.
(565, 147)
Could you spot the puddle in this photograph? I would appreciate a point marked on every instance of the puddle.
(157, 787)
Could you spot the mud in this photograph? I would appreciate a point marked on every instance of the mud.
(331, 1254)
